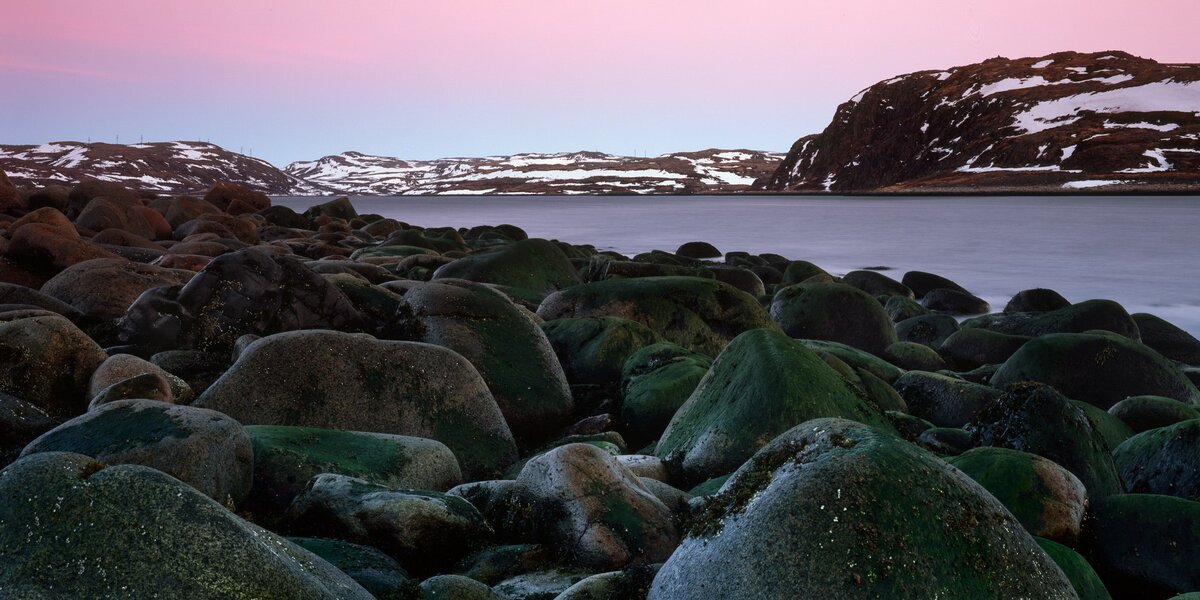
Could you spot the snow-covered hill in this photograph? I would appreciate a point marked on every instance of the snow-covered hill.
(565, 173)
(1066, 121)
(162, 166)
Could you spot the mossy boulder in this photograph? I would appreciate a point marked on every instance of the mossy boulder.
(1036, 300)
(698, 250)
(1162, 461)
(425, 531)
(954, 302)
(1100, 369)
(593, 350)
(1167, 339)
(856, 359)
(804, 518)
(135, 532)
(506, 345)
(1142, 413)
(1046, 498)
(1145, 545)
(47, 361)
(532, 264)
(900, 308)
(595, 511)
(876, 284)
(354, 382)
(799, 271)
(630, 584)
(202, 448)
(929, 330)
(910, 355)
(974, 347)
(922, 283)
(762, 385)
(20, 423)
(1083, 577)
(655, 381)
(701, 315)
(286, 458)
(377, 572)
(1037, 419)
(834, 312)
(456, 587)
(1111, 429)
(1089, 315)
(944, 401)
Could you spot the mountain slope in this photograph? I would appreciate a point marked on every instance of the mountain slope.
(705, 171)
(1066, 121)
(161, 166)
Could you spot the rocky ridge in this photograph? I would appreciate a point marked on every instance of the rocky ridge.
(1062, 122)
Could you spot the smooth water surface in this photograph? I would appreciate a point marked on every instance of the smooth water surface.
(1140, 251)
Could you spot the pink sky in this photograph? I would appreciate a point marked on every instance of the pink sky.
(300, 79)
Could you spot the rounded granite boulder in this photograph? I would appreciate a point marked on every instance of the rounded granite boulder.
(532, 264)
(701, 315)
(837, 509)
(202, 448)
(355, 382)
(655, 382)
(1145, 545)
(1162, 461)
(1142, 413)
(698, 250)
(48, 362)
(942, 400)
(77, 528)
(593, 350)
(834, 312)
(287, 458)
(505, 344)
(761, 385)
(1100, 369)
(1046, 498)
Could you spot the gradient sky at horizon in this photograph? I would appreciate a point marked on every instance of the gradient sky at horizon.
(299, 79)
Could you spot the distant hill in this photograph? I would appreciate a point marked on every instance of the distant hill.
(1063, 122)
(706, 171)
(194, 166)
(161, 166)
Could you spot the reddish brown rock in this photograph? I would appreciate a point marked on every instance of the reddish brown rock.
(236, 199)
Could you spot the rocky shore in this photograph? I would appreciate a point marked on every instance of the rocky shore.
(219, 398)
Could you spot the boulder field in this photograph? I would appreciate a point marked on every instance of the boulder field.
(213, 397)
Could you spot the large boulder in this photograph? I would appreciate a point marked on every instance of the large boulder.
(286, 458)
(47, 361)
(876, 284)
(202, 448)
(236, 199)
(698, 250)
(701, 315)
(1167, 339)
(596, 511)
(1142, 413)
(834, 312)
(1036, 300)
(1101, 369)
(593, 350)
(1090, 315)
(354, 382)
(47, 249)
(76, 528)
(837, 509)
(931, 330)
(1162, 461)
(103, 213)
(1084, 579)
(941, 400)
(532, 264)
(954, 302)
(1046, 498)
(1145, 545)
(1035, 418)
(922, 283)
(655, 382)
(20, 423)
(505, 345)
(425, 531)
(762, 385)
(249, 291)
(13, 294)
(974, 347)
(377, 572)
(105, 288)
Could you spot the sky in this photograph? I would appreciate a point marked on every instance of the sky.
(290, 80)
